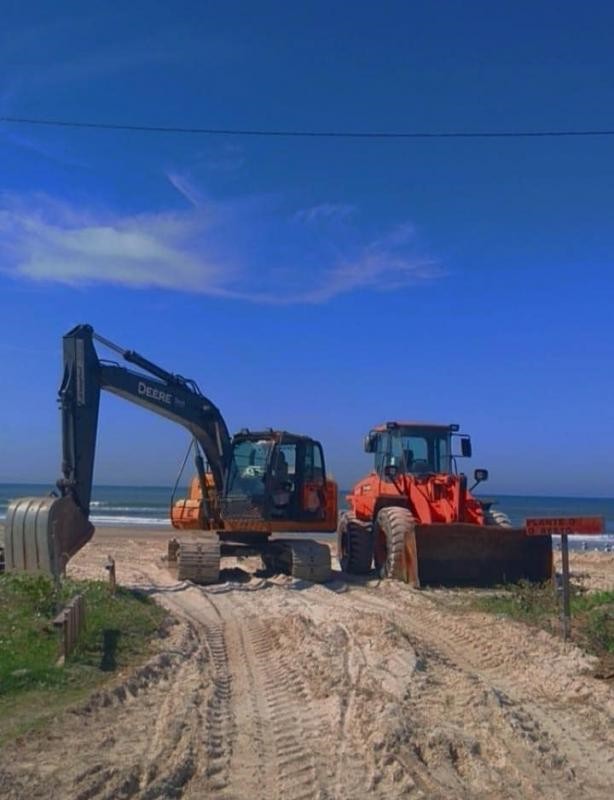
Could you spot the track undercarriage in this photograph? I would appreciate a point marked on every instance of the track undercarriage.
(197, 558)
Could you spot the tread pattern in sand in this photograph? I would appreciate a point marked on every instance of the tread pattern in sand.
(355, 689)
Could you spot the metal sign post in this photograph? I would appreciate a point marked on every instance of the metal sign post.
(565, 527)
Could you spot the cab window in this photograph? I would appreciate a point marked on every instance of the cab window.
(314, 463)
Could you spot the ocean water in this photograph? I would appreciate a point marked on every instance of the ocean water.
(149, 506)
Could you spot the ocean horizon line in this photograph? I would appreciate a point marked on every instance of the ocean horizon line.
(165, 487)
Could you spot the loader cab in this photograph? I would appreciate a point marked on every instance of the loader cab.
(277, 476)
(414, 448)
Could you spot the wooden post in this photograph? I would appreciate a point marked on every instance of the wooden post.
(110, 566)
(70, 623)
(60, 623)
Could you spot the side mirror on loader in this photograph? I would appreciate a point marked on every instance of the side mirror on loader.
(479, 476)
(465, 443)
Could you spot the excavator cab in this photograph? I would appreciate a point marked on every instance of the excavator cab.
(280, 474)
(276, 481)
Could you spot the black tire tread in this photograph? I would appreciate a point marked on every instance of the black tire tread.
(359, 559)
(395, 522)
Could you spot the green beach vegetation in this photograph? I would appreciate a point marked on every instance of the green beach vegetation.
(592, 615)
(119, 632)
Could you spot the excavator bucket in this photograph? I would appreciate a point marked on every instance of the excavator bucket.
(463, 554)
(43, 533)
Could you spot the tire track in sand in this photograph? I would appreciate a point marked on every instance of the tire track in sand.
(552, 729)
(282, 714)
(213, 741)
(576, 710)
(252, 763)
(370, 683)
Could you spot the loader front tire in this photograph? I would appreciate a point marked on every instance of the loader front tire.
(392, 525)
(354, 545)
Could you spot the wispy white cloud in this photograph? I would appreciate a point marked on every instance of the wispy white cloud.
(325, 212)
(246, 249)
(187, 188)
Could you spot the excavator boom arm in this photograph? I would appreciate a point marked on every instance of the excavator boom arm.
(46, 532)
(167, 395)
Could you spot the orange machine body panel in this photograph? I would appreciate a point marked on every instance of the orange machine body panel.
(319, 503)
(440, 498)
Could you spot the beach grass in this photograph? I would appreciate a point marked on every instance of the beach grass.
(592, 614)
(118, 632)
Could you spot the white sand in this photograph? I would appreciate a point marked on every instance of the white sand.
(271, 688)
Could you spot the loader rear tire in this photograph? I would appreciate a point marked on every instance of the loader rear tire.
(498, 518)
(392, 524)
(354, 545)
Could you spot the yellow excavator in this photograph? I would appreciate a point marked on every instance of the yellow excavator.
(246, 488)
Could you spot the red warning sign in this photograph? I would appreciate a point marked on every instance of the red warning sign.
(556, 526)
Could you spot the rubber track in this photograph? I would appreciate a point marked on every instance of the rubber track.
(309, 561)
(199, 560)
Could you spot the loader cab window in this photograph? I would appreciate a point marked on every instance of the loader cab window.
(442, 444)
(415, 452)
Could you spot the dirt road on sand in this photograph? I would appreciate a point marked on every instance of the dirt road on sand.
(273, 688)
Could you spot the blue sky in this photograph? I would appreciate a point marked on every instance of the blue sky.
(318, 285)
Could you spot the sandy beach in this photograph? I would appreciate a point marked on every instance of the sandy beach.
(269, 687)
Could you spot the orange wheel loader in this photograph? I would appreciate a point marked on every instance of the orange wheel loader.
(415, 519)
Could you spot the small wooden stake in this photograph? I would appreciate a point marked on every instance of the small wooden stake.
(110, 566)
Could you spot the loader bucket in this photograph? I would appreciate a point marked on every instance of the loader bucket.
(458, 554)
(43, 533)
